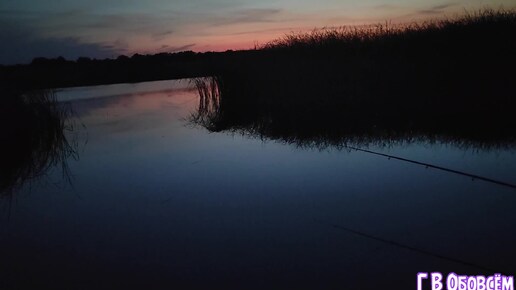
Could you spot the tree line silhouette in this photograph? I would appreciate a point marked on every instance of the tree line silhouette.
(44, 73)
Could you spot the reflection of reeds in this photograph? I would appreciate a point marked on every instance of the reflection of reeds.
(328, 124)
(33, 137)
(322, 126)
(449, 80)
(209, 101)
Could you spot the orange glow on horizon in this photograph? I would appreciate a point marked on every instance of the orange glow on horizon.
(244, 36)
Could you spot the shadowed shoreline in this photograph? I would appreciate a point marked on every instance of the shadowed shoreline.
(448, 81)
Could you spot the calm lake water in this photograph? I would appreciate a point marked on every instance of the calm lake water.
(156, 202)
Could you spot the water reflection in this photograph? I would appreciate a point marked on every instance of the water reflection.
(308, 120)
(309, 123)
(159, 204)
(34, 128)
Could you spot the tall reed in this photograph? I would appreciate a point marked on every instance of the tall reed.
(34, 139)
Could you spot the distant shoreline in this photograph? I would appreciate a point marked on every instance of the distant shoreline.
(352, 47)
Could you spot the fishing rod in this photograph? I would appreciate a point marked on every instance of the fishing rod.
(407, 247)
(428, 165)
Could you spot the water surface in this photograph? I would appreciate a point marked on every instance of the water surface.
(158, 202)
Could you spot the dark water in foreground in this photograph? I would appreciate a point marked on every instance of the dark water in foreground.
(156, 202)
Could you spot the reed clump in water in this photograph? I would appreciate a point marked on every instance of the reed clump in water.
(33, 138)
(451, 79)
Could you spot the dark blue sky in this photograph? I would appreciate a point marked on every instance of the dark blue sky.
(107, 28)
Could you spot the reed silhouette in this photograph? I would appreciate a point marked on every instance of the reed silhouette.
(448, 80)
(33, 138)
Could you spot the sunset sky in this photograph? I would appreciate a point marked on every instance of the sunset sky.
(108, 28)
